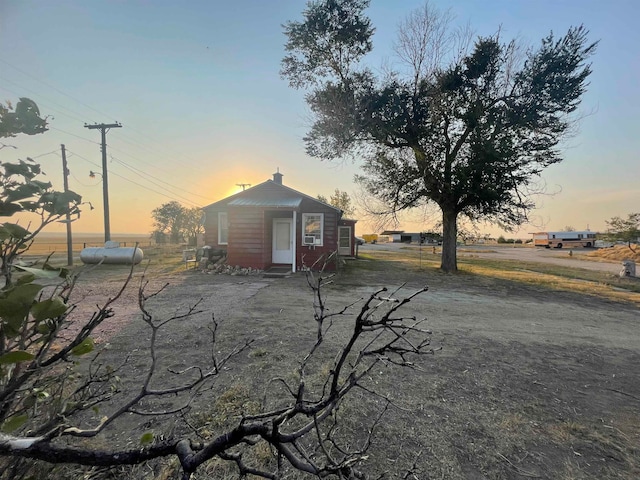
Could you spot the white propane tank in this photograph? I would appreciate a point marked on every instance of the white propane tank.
(111, 253)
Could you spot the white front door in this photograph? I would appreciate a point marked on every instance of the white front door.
(282, 250)
(344, 240)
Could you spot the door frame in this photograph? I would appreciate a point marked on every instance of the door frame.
(350, 240)
(291, 241)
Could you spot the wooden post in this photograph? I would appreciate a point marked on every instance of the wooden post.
(65, 177)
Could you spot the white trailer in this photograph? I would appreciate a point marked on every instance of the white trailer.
(584, 238)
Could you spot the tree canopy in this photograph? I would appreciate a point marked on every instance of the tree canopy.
(23, 191)
(24, 118)
(341, 200)
(624, 229)
(177, 221)
(467, 127)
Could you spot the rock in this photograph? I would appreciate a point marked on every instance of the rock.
(628, 269)
(222, 268)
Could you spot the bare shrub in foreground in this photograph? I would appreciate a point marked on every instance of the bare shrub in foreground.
(296, 426)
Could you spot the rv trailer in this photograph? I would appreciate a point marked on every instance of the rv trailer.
(584, 238)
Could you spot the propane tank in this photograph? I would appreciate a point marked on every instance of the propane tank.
(112, 253)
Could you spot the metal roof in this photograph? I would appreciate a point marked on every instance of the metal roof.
(265, 202)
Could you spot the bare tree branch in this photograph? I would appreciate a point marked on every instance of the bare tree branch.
(302, 428)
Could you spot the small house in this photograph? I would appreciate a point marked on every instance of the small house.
(271, 225)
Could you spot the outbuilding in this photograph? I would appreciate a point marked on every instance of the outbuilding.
(271, 225)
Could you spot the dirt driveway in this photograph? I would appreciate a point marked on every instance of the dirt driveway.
(529, 383)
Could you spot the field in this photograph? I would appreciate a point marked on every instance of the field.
(532, 379)
(56, 243)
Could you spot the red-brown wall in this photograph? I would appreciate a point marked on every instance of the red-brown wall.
(246, 237)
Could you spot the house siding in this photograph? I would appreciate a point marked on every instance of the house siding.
(246, 237)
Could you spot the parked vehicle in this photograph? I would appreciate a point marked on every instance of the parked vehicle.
(370, 237)
(585, 238)
(360, 241)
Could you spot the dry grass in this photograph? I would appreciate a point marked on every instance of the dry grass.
(609, 440)
(549, 276)
(563, 278)
(616, 253)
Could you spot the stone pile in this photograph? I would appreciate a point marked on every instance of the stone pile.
(224, 269)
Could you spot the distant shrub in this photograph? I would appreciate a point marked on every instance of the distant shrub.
(501, 239)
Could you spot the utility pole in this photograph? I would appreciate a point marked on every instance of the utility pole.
(243, 185)
(65, 179)
(103, 127)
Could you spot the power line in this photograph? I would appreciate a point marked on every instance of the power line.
(74, 135)
(157, 153)
(44, 154)
(134, 142)
(124, 152)
(54, 88)
(143, 173)
(140, 174)
(76, 100)
(111, 147)
(87, 185)
(83, 158)
(40, 103)
(164, 154)
(164, 194)
(150, 189)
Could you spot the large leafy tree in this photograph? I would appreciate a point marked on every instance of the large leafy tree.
(468, 128)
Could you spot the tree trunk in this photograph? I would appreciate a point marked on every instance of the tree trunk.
(449, 237)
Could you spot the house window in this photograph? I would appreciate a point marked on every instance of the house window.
(223, 228)
(313, 226)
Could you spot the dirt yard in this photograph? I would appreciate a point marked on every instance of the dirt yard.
(529, 383)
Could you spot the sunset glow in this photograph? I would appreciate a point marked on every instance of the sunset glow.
(197, 89)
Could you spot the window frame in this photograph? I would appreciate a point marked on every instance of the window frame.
(319, 242)
(222, 215)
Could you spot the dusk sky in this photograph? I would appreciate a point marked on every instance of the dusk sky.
(197, 89)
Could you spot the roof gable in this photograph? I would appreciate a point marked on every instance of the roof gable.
(267, 194)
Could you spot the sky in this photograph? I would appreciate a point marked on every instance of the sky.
(197, 89)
